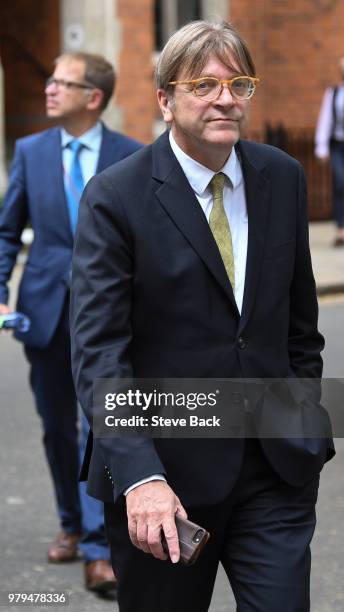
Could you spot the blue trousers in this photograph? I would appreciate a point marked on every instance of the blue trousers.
(260, 533)
(52, 385)
(337, 165)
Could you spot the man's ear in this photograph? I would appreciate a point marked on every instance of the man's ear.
(166, 104)
(95, 99)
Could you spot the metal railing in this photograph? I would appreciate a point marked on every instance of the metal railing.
(300, 144)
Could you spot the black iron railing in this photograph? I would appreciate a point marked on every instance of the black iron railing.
(300, 144)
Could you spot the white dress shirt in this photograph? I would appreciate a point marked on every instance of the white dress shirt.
(324, 126)
(234, 202)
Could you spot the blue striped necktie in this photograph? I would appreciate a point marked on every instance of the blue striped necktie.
(74, 185)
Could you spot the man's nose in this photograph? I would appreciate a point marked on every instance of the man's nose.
(50, 88)
(225, 96)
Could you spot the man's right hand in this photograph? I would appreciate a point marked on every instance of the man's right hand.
(4, 309)
(323, 159)
(151, 507)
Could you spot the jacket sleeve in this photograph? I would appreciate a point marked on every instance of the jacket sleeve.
(324, 125)
(101, 333)
(13, 218)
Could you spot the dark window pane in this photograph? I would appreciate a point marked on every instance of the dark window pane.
(188, 11)
(158, 25)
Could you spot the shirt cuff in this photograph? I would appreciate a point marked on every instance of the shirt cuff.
(143, 481)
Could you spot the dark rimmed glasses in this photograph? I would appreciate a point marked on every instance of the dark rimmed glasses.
(67, 84)
(210, 88)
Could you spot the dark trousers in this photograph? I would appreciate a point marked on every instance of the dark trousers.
(337, 165)
(52, 384)
(261, 534)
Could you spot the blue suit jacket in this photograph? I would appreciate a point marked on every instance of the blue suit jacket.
(36, 194)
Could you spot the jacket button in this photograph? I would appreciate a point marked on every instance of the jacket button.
(241, 343)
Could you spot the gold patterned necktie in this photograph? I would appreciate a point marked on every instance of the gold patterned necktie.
(219, 226)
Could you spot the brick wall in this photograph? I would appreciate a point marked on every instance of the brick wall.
(295, 46)
(135, 91)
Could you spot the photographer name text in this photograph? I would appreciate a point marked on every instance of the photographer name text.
(159, 421)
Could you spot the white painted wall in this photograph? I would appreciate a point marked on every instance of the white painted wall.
(215, 10)
(92, 26)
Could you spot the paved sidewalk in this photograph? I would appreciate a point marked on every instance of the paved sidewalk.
(328, 262)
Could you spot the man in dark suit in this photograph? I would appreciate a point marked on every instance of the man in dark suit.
(48, 173)
(198, 266)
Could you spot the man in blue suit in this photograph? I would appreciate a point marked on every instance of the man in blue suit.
(47, 177)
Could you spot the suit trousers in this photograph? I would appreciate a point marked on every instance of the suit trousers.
(52, 384)
(260, 533)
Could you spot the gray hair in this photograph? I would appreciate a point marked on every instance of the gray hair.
(189, 48)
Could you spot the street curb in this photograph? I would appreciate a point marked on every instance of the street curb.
(331, 289)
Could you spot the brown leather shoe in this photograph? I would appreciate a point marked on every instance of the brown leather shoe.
(99, 576)
(64, 548)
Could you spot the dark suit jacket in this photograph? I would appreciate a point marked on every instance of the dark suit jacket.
(151, 298)
(36, 194)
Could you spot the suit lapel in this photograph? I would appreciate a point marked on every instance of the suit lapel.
(111, 150)
(54, 164)
(107, 153)
(257, 190)
(178, 199)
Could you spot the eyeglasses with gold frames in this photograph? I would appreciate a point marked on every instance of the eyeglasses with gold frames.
(210, 88)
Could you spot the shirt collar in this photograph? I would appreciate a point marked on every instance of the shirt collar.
(90, 139)
(199, 176)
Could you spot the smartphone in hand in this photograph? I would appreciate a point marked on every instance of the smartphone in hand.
(192, 539)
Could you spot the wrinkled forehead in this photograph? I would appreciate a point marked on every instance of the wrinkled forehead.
(198, 67)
